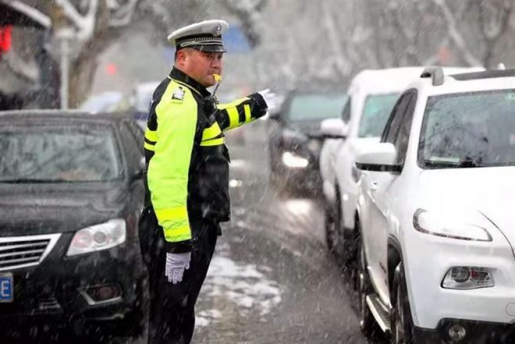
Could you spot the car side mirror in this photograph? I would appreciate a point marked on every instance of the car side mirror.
(334, 129)
(378, 157)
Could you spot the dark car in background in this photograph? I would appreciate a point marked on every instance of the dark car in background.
(295, 140)
(71, 193)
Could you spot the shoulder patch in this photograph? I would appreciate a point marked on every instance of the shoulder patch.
(178, 94)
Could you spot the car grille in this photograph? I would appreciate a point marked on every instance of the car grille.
(25, 251)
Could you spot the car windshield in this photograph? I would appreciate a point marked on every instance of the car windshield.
(43, 154)
(464, 130)
(316, 107)
(376, 112)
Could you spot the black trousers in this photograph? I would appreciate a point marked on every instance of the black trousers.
(172, 306)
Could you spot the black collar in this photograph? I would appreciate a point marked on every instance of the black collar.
(182, 78)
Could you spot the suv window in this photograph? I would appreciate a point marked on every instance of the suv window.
(397, 130)
(393, 124)
(346, 113)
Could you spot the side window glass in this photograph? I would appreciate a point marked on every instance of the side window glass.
(393, 125)
(346, 114)
(402, 139)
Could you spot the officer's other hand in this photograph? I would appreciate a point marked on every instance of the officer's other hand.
(176, 266)
(270, 98)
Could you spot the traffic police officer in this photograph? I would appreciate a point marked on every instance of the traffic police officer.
(187, 177)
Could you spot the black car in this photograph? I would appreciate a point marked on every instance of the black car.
(295, 140)
(71, 193)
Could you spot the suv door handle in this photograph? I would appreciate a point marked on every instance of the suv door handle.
(373, 186)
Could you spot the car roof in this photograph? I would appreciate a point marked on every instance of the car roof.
(465, 82)
(56, 115)
(388, 80)
(394, 80)
(484, 75)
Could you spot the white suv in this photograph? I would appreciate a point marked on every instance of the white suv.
(372, 94)
(435, 215)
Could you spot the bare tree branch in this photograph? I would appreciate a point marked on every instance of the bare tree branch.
(249, 13)
(453, 32)
(124, 13)
(331, 30)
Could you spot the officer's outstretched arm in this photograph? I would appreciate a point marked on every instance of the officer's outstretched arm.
(169, 167)
(241, 111)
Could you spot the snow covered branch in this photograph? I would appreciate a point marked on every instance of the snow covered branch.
(332, 32)
(249, 13)
(85, 25)
(120, 14)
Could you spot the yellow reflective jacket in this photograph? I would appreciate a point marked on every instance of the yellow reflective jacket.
(187, 159)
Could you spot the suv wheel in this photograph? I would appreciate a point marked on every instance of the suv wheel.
(402, 327)
(367, 322)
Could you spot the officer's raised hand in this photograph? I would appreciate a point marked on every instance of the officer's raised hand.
(270, 98)
(176, 265)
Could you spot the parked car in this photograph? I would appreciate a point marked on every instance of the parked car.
(435, 217)
(372, 94)
(294, 137)
(71, 191)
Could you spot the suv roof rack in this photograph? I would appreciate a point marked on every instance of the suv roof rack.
(434, 72)
(504, 73)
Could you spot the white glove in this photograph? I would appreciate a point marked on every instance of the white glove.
(176, 266)
(270, 98)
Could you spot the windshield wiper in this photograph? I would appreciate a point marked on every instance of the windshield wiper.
(465, 163)
(470, 163)
(34, 180)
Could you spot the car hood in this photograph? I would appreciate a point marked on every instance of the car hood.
(38, 209)
(488, 191)
(309, 128)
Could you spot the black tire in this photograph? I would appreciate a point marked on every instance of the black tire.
(353, 255)
(367, 322)
(337, 233)
(402, 326)
(330, 227)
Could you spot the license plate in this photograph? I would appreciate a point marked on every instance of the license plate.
(6, 288)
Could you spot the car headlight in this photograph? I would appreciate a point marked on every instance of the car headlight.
(448, 226)
(294, 161)
(98, 237)
(465, 278)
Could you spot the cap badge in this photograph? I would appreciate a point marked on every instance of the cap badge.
(217, 29)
